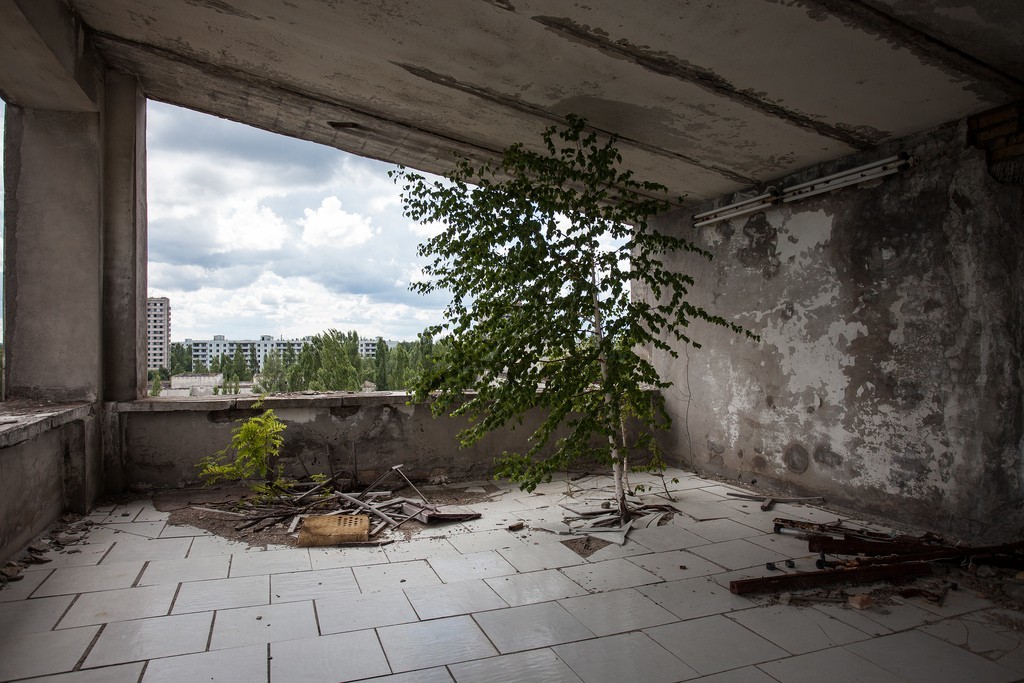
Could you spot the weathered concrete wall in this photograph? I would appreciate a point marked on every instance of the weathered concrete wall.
(164, 439)
(44, 468)
(889, 375)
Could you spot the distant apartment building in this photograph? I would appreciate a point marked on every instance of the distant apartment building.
(368, 347)
(206, 350)
(158, 333)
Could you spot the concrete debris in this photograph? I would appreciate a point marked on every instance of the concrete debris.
(860, 601)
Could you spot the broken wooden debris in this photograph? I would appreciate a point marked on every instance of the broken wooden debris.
(827, 577)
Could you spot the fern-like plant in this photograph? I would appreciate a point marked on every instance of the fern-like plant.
(251, 456)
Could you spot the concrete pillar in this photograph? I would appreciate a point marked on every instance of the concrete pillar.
(124, 240)
(53, 249)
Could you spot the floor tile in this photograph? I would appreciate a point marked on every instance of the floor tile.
(714, 644)
(853, 617)
(149, 549)
(616, 611)
(143, 529)
(247, 664)
(917, 656)
(358, 612)
(32, 616)
(183, 531)
(836, 665)
(536, 666)
(957, 602)
(614, 551)
(797, 630)
(20, 590)
(101, 577)
(395, 575)
(119, 673)
(448, 600)
(609, 575)
(694, 598)
(328, 659)
(624, 657)
(717, 530)
(264, 624)
(199, 596)
(310, 585)
(748, 674)
(203, 546)
(78, 555)
(702, 511)
(419, 549)
(531, 626)
(524, 589)
(38, 654)
(433, 643)
(738, 554)
(899, 616)
(269, 562)
(676, 564)
(333, 558)
(480, 541)
(482, 565)
(131, 641)
(189, 569)
(535, 557)
(995, 634)
(150, 514)
(119, 605)
(666, 537)
(437, 674)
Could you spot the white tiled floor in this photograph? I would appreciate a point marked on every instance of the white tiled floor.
(144, 602)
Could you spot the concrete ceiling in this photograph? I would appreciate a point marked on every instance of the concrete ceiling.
(708, 97)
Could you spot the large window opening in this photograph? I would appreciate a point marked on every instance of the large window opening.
(275, 263)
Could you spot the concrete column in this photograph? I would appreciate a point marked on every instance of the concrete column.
(53, 249)
(124, 240)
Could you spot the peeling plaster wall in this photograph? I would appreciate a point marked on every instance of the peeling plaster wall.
(163, 440)
(888, 376)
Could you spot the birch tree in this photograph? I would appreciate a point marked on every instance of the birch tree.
(538, 252)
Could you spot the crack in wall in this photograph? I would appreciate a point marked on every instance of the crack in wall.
(666, 65)
(527, 108)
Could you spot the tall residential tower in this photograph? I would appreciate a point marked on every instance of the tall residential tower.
(158, 333)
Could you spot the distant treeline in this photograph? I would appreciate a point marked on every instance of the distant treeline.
(329, 362)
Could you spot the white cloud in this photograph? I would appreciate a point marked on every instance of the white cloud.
(247, 225)
(332, 226)
(426, 230)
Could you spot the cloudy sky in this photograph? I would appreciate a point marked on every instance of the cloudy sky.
(253, 233)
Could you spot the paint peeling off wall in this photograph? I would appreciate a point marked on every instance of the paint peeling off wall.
(888, 377)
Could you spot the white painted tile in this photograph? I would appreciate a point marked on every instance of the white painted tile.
(202, 596)
(182, 531)
(448, 600)
(480, 565)
(332, 558)
(141, 529)
(614, 551)
(609, 575)
(148, 549)
(310, 585)
(395, 575)
(419, 549)
(131, 641)
(676, 564)
(263, 624)
(531, 626)
(358, 612)
(738, 554)
(248, 664)
(524, 589)
(748, 674)
(328, 659)
(990, 633)
(714, 644)
(617, 611)
(188, 569)
(535, 666)
(666, 537)
(433, 643)
(535, 557)
(214, 545)
(694, 598)
(917, 656)
(32, 616)
(119, 605)
(438, 674)
(119, 673)
(20, 590)
(481, 541)
(797, 630)
(269, 562)
(78, 555)
(37, 654)
(717, 530)
(624, 657)
(87, 579)
(836, 665)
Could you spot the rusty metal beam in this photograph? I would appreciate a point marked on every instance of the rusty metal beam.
(829, 577)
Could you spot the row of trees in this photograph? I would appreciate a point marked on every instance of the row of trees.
(329, 362)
